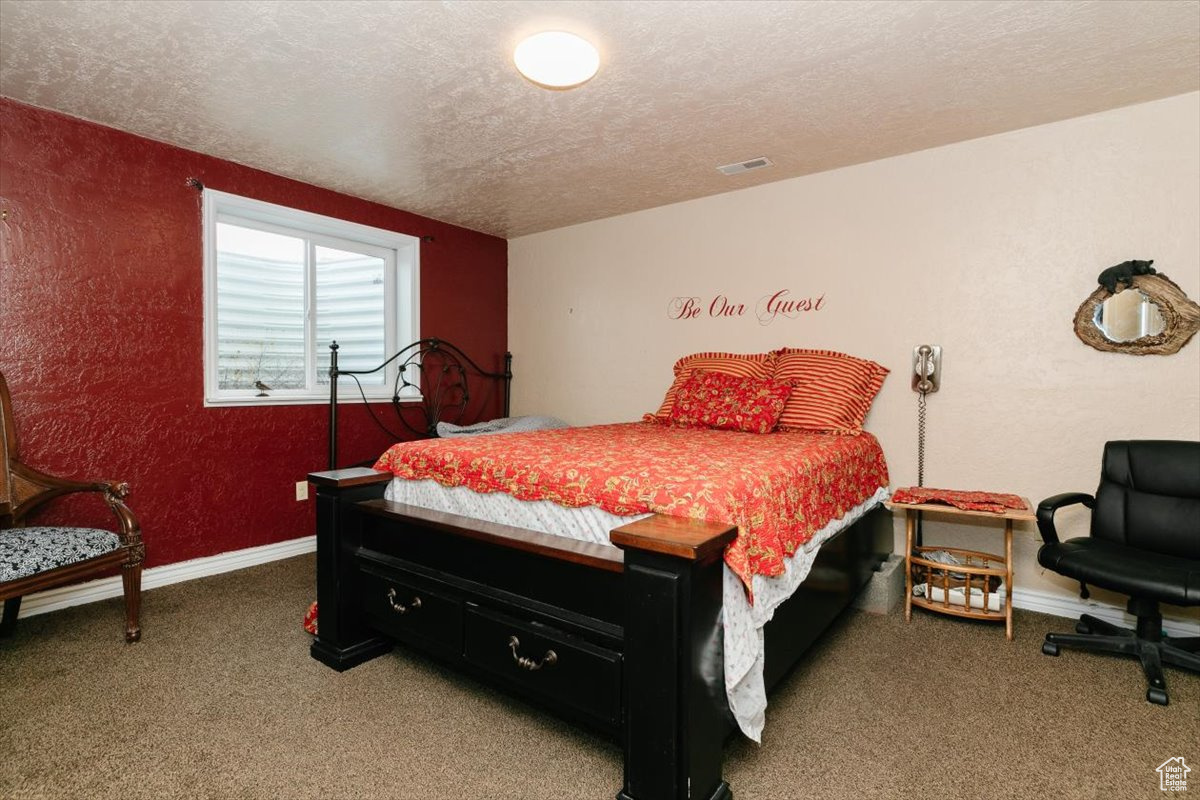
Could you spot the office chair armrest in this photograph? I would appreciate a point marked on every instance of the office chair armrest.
(1046, 509)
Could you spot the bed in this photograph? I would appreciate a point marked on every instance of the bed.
(628, 634)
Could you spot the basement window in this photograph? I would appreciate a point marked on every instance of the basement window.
(280, 285)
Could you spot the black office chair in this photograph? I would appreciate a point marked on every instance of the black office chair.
(1144, 542)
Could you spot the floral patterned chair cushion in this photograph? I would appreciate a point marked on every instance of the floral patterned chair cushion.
(26, 551)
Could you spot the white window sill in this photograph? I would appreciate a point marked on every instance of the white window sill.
(226, 402)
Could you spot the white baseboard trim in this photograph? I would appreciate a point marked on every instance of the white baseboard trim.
(1060, 606)
(92, 591)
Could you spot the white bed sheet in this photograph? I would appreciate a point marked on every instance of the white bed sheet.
(742, 622)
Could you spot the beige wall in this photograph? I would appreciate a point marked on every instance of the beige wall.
(985, 247)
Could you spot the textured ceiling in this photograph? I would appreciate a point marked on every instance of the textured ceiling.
(416, 104)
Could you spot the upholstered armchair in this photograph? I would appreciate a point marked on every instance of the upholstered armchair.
(34, 558)
(1145, 543)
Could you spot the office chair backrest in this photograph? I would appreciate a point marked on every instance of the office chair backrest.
(1149, 497)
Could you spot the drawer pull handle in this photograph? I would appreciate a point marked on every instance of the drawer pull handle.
(400, 608)
(548, 660)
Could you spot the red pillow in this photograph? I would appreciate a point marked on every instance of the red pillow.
(831, 392)
(729, 403)
(749, 365)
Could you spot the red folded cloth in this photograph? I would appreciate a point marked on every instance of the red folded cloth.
(310, 619)
(970, 501)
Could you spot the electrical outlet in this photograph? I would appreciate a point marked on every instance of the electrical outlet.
(302, 490)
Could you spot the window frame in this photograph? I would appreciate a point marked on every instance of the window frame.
(402, 256)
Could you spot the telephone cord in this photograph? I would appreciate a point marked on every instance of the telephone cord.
(921, 439)
(920, 460)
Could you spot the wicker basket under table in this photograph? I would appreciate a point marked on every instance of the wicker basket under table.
(979, 568)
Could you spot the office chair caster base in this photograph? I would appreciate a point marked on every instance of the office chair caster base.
(1049, 649)
(1157, 696)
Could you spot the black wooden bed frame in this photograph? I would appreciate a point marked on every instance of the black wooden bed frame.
(627, 642)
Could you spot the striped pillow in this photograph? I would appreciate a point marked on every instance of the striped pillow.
(756, 365)
(831, 392)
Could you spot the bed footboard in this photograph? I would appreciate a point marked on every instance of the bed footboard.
(626, 642)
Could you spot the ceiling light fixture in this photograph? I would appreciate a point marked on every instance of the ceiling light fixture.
(557, 59)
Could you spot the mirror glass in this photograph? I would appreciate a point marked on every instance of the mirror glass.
(1128, 316)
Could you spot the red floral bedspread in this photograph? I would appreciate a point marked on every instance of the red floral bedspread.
(778, 488)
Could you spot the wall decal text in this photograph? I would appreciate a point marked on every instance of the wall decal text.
(768, 308)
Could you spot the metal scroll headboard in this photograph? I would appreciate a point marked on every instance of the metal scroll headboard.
(436, 369)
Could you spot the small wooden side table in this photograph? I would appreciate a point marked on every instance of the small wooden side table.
(978, 566)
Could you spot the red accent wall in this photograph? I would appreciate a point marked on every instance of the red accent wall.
(101, 332)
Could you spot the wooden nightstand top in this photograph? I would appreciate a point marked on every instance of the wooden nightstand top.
(1026, 514)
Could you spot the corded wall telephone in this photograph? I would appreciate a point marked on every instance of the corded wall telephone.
(927, 368)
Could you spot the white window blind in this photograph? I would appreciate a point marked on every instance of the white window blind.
(351, 310)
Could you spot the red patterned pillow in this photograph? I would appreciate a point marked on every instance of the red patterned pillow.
(831, 392)
(729, 403)
(749, 365)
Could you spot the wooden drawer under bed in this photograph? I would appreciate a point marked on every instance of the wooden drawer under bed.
(545, 662)
(411, 612)
(522, 647)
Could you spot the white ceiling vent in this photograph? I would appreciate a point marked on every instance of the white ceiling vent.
(746, 166)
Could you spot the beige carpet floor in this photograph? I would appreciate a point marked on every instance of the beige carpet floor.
(221, 700)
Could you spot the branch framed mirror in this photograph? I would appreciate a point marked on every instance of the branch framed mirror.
(1151, 315)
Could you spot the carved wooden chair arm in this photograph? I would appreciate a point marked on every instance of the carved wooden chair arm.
(47, 487)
